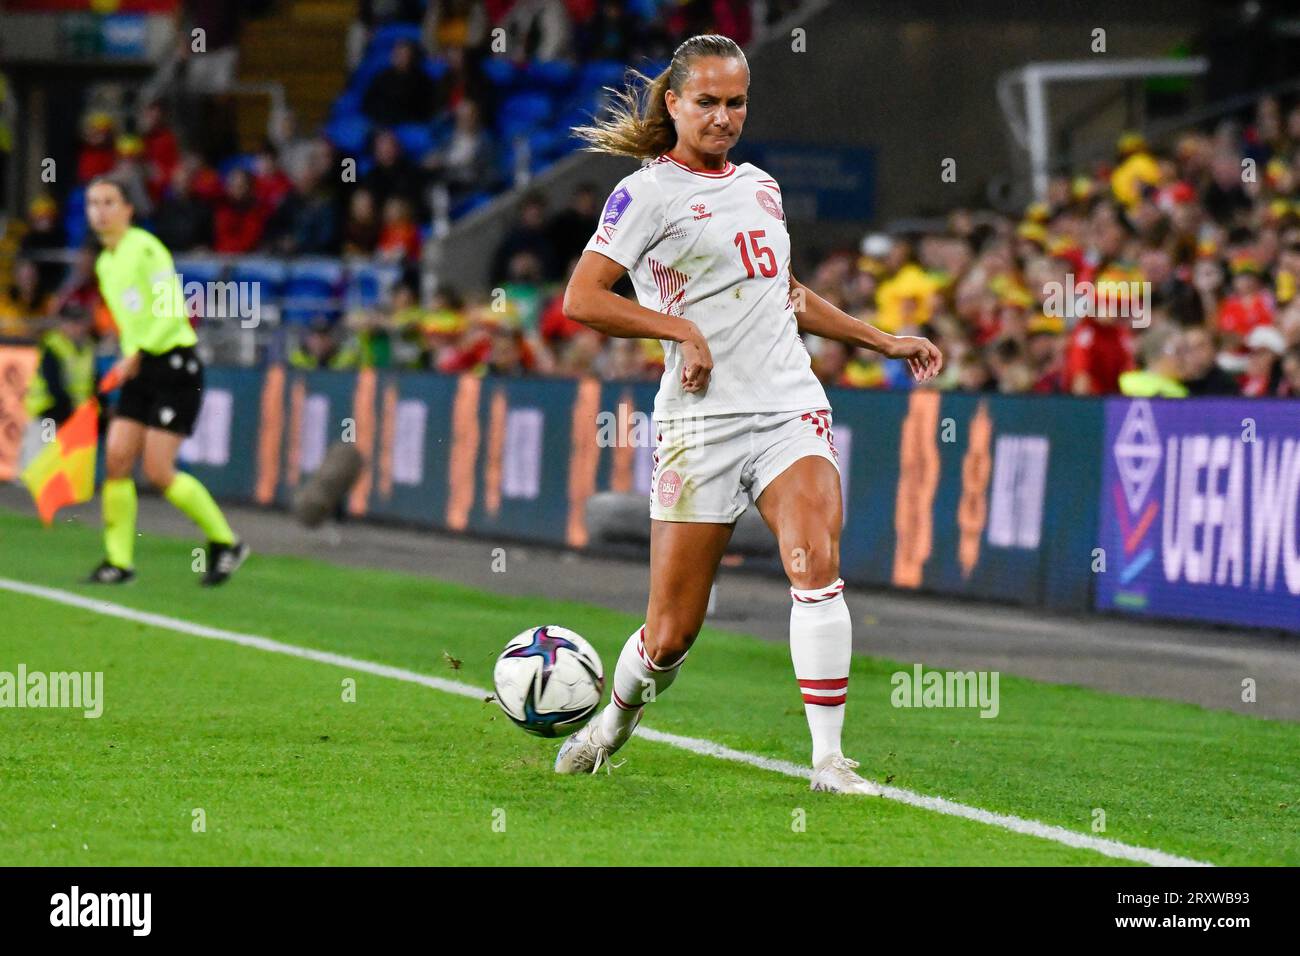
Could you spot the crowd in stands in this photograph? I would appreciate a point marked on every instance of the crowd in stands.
(1165, 273)
(1206, 226)
(420, 110)
(1162, 272)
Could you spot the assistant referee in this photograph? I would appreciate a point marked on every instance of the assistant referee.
(159, 402)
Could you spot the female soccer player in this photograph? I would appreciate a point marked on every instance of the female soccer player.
(739, 413)
(160, 399)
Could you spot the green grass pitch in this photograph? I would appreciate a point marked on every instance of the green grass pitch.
(287, 772)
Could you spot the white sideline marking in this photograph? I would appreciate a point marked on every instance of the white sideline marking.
(1111, 848)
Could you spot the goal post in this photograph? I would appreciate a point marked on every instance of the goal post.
(1023, 98)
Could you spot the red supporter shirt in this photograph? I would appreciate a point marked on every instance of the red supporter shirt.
(1241, 315)
(1102, 352)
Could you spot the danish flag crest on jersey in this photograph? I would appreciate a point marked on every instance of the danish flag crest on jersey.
(769, 204)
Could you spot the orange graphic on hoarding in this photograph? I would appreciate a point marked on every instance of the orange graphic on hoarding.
(297, 401)
(17, 364)
(918, 478)
(497, 410)
(584, 456)
(270, 436)
(387, 430)
(620, 478)
(464, 451)
(363, 413)
(973, 509)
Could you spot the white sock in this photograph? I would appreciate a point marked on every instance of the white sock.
(821, 646)
(637, 681)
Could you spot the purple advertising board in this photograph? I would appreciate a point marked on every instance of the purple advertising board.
(1200, 511)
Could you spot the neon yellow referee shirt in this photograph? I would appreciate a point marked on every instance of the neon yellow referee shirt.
(139, 283)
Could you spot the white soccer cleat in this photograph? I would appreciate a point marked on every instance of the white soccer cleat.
(584, 752)
(835, 775)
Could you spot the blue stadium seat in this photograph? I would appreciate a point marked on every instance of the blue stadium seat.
(368, 284)
(74, 217)
(269, 273)
(238, 161)
(199, 269)
(555, 75)
(522, 113)
(349, 133)
(348, 103)
(600, 73)
(435, 68)
(313, 286)
(575, 110)
(500, 71)
(547, 144)
(470, 203)
(369, 68)
(416, 139)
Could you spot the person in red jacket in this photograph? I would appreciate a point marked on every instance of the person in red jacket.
(98, 152)
(1099, 350)
(1248, 307)
(240, 219)
(162, 152)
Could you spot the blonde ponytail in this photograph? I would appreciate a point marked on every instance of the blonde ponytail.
(638, 123)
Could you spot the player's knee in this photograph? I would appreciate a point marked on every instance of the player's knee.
(667, 638)
(159, 474)
(813, 561)
(118, 465)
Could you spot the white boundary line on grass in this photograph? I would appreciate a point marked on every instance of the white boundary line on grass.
(1110, 848)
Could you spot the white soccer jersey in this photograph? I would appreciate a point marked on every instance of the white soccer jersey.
(712, 247)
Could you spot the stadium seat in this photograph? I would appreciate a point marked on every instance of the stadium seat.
(200, 269)
(312, 286)
(349, 133)
(435, 68)
(74, 217)
(269, 273)
(471, 202)
(500, 71)
(416, 139)
(368, 284)
(547, 144)
(555, 75)
(600, 73)
(361, 78)
(522, 113)
(348, 103)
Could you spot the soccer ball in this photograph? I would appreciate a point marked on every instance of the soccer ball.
(549, 680)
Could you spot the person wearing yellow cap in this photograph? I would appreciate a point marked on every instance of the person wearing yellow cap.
(1136, 171)
(97, 154)
(904, 298)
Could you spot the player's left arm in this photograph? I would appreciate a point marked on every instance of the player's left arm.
(819, 317)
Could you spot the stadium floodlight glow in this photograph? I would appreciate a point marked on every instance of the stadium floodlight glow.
(1032, 130)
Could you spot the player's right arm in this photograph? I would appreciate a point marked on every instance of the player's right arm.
(590, 299)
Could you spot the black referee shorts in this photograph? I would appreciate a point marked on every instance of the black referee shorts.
(167, 393)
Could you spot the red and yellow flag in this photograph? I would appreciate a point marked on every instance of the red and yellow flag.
(64, 473)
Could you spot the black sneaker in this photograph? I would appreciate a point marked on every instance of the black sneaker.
(223, 561)
(110, 574)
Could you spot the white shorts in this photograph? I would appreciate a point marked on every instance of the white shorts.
(709, 468)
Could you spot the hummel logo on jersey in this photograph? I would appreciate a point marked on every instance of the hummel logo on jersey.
(603, 240)
(699, 211)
